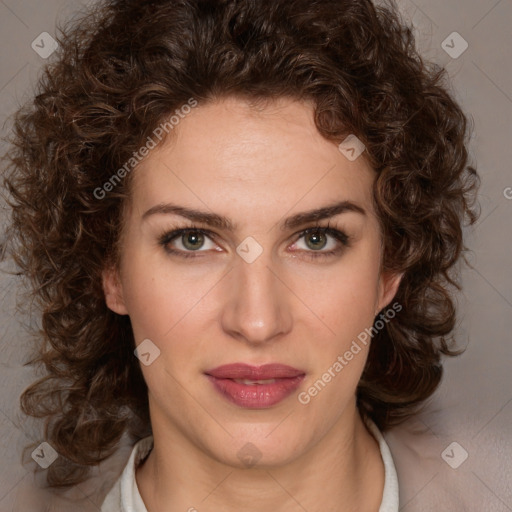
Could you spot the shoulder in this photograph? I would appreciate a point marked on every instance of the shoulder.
(445, 471)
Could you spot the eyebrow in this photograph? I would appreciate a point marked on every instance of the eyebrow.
(221, 222)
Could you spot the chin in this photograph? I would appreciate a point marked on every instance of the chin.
(260, 449)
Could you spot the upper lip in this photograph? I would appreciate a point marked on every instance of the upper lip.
(247, 371)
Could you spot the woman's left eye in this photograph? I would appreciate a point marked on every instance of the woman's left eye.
(318, 241)
(323, 241)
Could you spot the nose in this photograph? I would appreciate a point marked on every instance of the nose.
(258, 306)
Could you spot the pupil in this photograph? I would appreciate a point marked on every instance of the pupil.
(317, 238)
(193, 240)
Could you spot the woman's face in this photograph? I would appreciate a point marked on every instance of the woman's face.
(251, 289)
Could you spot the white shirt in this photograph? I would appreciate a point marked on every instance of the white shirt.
(125, 497)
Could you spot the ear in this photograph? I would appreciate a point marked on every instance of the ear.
(388, 286)
(113, 290)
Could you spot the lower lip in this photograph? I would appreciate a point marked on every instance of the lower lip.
(256, 396)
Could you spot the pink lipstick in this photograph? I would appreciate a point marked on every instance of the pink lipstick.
(255, 387)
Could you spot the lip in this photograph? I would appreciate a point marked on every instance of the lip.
(225, 380)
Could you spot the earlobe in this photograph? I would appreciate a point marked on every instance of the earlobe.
(388, 286)
(113, 291)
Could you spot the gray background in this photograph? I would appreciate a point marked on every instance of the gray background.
(473, 406)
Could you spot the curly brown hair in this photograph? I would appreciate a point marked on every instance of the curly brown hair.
(125, 66)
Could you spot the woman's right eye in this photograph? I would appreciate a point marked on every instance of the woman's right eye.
(184, 242)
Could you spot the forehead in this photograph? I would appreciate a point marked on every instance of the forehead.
(236, 157)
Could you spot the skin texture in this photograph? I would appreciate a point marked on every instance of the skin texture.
(256, 166)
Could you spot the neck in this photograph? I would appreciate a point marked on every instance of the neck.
(343, 472)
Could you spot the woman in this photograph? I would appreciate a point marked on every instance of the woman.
(241, 221)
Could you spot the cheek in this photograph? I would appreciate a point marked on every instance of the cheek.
(165, 302)
(346, 306)
(344, 298)
(153, 303)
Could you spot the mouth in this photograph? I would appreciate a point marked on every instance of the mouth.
(255, 387)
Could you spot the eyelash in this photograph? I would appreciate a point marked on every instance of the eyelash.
(166, 238)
